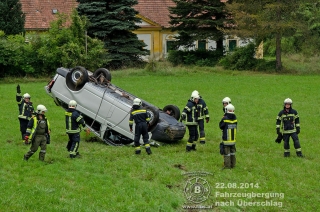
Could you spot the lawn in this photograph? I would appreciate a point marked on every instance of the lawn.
(108, 178)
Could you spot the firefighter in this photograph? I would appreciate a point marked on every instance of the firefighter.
(74, 124)
(190, 115)
(288, 125)
(37, 132)
(203, 114)
(25, 111)
(141, 119)
(228, 125)
(225, 102)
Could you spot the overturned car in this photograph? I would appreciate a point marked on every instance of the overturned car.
(106, 107)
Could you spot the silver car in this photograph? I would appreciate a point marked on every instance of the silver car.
(106, 107)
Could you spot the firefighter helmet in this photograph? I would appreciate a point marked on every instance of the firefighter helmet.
(195, 92)
(226, 100)
(229, 108)
(72, 104)
(26, 96)
(195, 95)
(40, 109)
(287, 101)
(137, 101)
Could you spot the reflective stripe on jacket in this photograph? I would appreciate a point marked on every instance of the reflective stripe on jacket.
(33, 124)
(228, 125)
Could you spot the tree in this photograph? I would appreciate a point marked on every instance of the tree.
(113, 21)
(199, 20)
(68, 46)
(267, 19)
(12, 18)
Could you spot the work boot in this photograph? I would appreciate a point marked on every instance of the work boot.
(227, 162)
(233, 161)
(72, 156)
(193, 147)
(25, 158)
(148, 150)
(188, 148)
(202, 142)
(287, 154)
(299, 154)
(138, 151)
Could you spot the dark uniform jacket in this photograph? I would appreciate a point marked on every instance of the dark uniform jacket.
(138, 114)
(25, 109)
(191, 113)
(37, 126)
(74, 121)
(228, 125)
(288, 121)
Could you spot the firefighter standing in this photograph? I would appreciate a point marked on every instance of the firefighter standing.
(141, 119)
(228, 125)
(25, 111)
(190, 115)
(203, 114)
(288, 124)
(38, 131)
(74, 124)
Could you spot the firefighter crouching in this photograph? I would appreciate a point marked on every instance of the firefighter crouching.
(37, 132)
(25, 111)
(190, 114)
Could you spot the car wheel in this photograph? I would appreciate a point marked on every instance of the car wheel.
(77, 77)
(105, 72)
(154, 116)
(173, 110)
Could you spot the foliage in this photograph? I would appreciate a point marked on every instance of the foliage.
(40, 54)
(267, 19)
(70, 46)
(15, 55)
(199, 20)
(12, 18)
(110, 178)
(113, 23)
(242, 58)
(194, 57)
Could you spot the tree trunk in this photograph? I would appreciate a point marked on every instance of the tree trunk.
(220, 46)
(278, 53)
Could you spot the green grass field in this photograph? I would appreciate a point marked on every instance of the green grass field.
(108, 178)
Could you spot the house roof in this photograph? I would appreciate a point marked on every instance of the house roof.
(155, 10)
(39, 13)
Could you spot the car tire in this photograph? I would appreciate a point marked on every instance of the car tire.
(154, 116)
(175, 111)
(105, 72)
(76, 78)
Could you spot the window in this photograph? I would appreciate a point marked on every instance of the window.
(232, 44)
(202, 44)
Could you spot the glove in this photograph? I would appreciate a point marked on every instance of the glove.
(298, 130)
(18, 89)
(221, 147)
(48, 138)
(278, 131)
(26, 139)
(207, 119)
(279, 138)
(183, 117)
